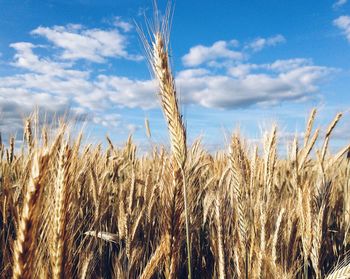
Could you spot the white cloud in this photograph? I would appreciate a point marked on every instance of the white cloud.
(79, 87)
(56, 85)
(343, 23)
(227, 82)
(109, 120)
(241, 70)
(26, 59)
(222, 53)
(289, 64)
(126, 92)
(260, 43)
(248, 88)
(339, 3)
(91, 44)
(219, 50)
(125, 26)
(243, 85)
(190, 73)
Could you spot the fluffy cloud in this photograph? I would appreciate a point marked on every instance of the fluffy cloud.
(58, 87)
(219, 53)
(250, 88)
(343, 23)
(242, 70)
(339, 3)
(127, 92)
(289, 64)
(221, 49)
(77, 88)
(57, 84)
(95, 45)
(260, 43)
(26, 59)
(125, 26)
(235, 83)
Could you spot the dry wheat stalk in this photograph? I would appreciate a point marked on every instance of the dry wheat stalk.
(160, 253)
(275, 236)
(342, 272)
(158, 55)
(60, 212)
(328, 133)
(309, 126)
(23, 246)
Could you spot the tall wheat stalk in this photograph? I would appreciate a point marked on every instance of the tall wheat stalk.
(158, 55)
(60, 213)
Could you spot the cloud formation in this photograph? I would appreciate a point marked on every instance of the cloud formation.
(268, 84)
(219, 50)
(125, 26)
(343, 23)
(339, 3)
(260, 43)
(219, 76)
(236, 83)
(60, 83)
(94, 45)
(57, 85)
(222, 51)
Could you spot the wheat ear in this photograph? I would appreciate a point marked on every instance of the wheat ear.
(340, 273)
(27, 226)
(61, 204)
(275, 237)
(309, 126)
(328, 133)
(162, 71)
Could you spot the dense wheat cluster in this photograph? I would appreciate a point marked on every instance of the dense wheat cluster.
(77, 211)
(73, 211)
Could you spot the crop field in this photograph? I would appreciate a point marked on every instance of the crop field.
(69, 210)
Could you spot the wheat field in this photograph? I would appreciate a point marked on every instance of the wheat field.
(75, 211)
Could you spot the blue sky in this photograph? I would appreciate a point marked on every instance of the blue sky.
(245, 64)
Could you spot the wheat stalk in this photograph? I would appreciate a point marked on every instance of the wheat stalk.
(61, 207)
(340, 273)
(160, 253)
(23, 246)
(309, 126)
(158, 55)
